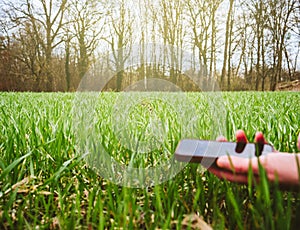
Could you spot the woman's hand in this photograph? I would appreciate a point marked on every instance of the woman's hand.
(278, 166)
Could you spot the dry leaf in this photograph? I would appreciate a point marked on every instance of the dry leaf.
(195, 222)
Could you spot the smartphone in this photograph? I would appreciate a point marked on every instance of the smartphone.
(189, 150)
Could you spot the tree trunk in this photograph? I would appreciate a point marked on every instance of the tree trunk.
(225, 57)
(67, 64)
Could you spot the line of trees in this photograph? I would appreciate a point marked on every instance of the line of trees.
(49, 45)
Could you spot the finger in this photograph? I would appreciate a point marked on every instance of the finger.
(259, 138)
(239, 165)
(260, 142)
(241, 136)
(221, 139)
(230, 176)
(298, 142)
(234, 164)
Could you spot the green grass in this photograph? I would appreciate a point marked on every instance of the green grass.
(46, 183)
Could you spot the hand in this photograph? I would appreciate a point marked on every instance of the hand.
(278, 166)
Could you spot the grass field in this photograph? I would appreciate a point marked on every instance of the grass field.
(46, 184)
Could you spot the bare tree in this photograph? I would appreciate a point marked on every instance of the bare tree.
(214, 6)
(258, 12)
(46, 21)
(7, 56)
(280, 13)
(171, 28)
(294, 47)
(31, 53)
(227, 40)
(120, 29)
(201, 19)
(50, 44)
(86, 18)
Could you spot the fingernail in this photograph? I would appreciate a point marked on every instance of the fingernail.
(259, 138)
(241, 136)
(221, 139)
